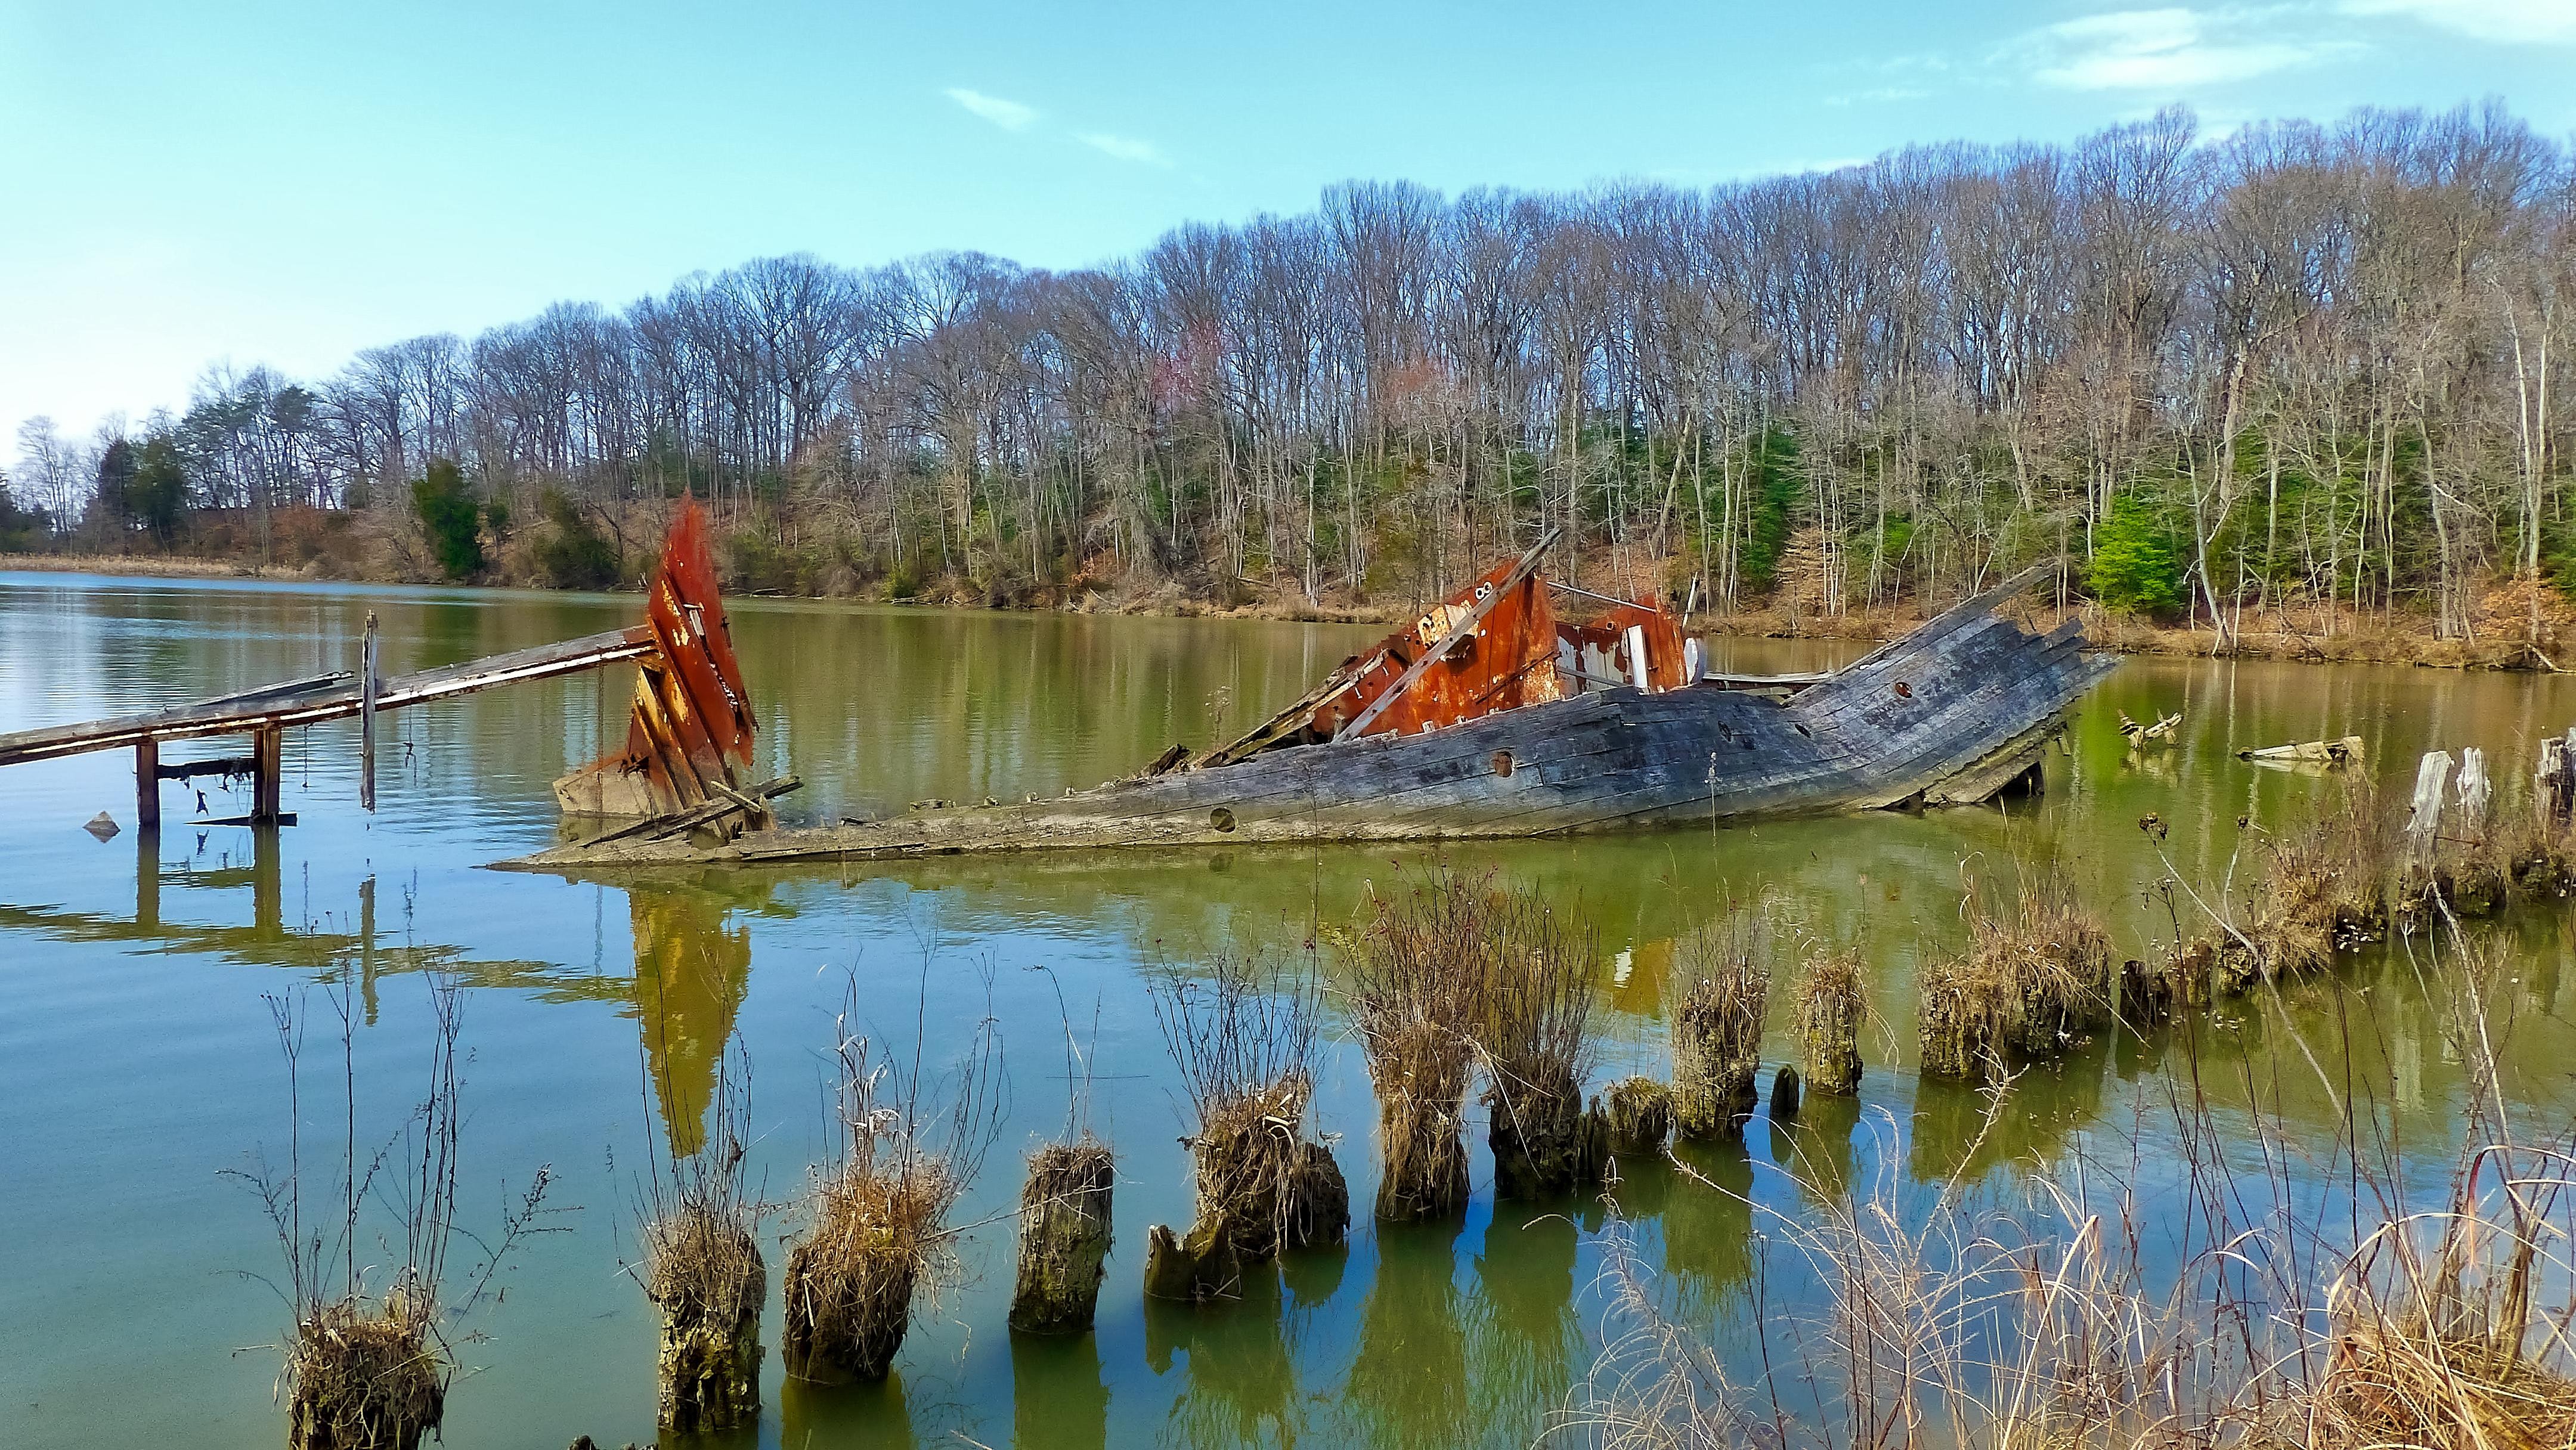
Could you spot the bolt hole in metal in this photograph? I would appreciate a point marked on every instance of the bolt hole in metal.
(1503, 763)
(1221, 818)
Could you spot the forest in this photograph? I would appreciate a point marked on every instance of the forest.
(2298, 375)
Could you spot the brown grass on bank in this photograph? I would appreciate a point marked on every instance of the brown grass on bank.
(2057, 1313)
(2034, 979)
(703, 1269)
(1246, 1060)
(878, 1236)
(1831, 1000)
(1718, 1017)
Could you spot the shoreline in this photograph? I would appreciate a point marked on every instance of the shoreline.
(2383, 639)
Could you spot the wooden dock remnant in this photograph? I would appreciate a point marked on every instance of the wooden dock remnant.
(692, 722)
(265, 715)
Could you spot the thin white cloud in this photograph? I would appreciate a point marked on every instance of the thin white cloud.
(1125, 148)
(2168, 49)
(2510, 22)
(1009, 115)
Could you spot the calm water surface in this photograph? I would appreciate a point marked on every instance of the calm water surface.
(138, 1062)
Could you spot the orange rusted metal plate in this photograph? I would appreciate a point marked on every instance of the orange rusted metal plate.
(1508, 659)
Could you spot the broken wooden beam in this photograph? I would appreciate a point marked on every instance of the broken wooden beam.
(654, 828)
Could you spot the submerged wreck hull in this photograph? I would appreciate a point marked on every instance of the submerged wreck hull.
(1949, 714)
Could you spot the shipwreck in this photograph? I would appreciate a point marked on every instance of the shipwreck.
(1489, 716)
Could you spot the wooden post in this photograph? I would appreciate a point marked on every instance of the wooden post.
(2558, 771)
(2546, 785)
(147, 785)
(2424, 822)
(368, 684)
(2474, 794)
(268, 774)
(267, 886)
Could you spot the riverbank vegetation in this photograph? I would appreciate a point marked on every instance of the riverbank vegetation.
(2288, 389)
(2116, 1299)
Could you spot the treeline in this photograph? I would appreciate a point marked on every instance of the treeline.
(2300, 367)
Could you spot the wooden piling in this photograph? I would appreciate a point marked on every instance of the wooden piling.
(268, 775)
(368, 686)
(147, 785)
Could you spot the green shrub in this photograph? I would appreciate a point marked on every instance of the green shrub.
(2137, 560)
(449, 516)
(573, 555)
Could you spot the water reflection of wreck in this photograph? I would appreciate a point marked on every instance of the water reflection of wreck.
(1492, 718)
(692, 956)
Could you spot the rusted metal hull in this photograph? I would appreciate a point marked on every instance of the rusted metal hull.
(691, 726)
(1950, 713)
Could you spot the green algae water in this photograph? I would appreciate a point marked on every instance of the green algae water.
(139, 1066)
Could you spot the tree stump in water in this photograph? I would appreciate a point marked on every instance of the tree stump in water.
(1784, 1094)
(1195, 1269)
(846, 1312)
(709, 1362)
(1544, 1142)
(1713, 1090)
(1064, 1236)
(1637, 1115)
(363, 1382)
(1421, 1079)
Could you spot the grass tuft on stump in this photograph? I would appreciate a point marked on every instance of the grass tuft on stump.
(364, 1378)
(1831, 1000)
(1717, 1026)
(2035, 978)
(1263, 1185)
(877, 1238)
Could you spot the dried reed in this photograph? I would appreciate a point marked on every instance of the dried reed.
(2032, 981)
(1246, 1059)
(878, 1238)
(1717, 1025)
(2060, 1315)
(703, 1269)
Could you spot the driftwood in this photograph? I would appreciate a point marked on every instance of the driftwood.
(2324, 752)
(2160, 733)
(1952, 713)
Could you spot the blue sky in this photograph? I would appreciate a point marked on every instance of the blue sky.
(189, 181)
